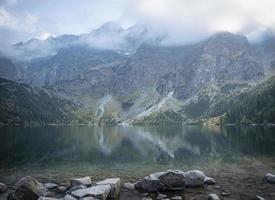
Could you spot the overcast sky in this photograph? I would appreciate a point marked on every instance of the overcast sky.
(184, 20)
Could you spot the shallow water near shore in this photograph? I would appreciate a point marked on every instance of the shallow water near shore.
(57, 153)
(118, 146)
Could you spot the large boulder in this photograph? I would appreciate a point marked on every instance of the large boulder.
(98, 191)
(115, 184)
(172, 179)
(33, 185)
(28, 188)
(194, 178)
(81, 181)
(150, 184)
(169, 180)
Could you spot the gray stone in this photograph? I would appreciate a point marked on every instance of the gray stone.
(33, 185)
(147, 198)
(270, 178)
(22, 194)
(115, 184)
(149, 183)
(69, 197)
(169, 180)
(259, 197)
(176, 198)
(98, 191)
(225, 193)
(75, 188)
(28, 188)
(172, 178)
(213, 197)
(209, 181)
(3, 188)
(62, 188)
(129, 186)
(81, 181)
(51, 185)
(88, 198)
(194, 178)
(161, 196)
(217, 187)
(48, 198)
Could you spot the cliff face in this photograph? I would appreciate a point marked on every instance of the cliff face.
(137, 73)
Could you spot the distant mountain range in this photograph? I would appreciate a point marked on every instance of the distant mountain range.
(128, 76)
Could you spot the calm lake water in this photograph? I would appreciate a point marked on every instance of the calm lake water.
(112, 145)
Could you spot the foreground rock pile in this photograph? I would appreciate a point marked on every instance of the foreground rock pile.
(158, 183)
(80, 188)
(173, 180)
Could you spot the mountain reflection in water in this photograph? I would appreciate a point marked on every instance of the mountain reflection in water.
(118, 144)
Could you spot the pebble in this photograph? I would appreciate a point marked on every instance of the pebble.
(176, 198)
(75, 188)
(69, 197)
(147, 198)
(225, 193)
(129, 186)
(161, 196)
(144, 194)
(62, 188)
(259, 197)
(50, 185)
(3, 188)
(81, 181)
(209, 181)
(88, 198)
(213, 197)
(270, 178)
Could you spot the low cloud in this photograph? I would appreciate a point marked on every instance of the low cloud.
(181, 21)
(21, 23)
(190, 20)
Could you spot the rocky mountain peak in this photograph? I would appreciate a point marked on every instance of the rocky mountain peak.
(109, 27)
(226, 43)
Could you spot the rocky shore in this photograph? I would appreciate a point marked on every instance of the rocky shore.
(166, 185)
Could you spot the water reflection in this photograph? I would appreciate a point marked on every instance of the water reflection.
(119, 144)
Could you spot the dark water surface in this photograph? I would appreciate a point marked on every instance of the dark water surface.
(111, 145)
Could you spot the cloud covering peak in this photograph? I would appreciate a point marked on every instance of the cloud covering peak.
(184, 21)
